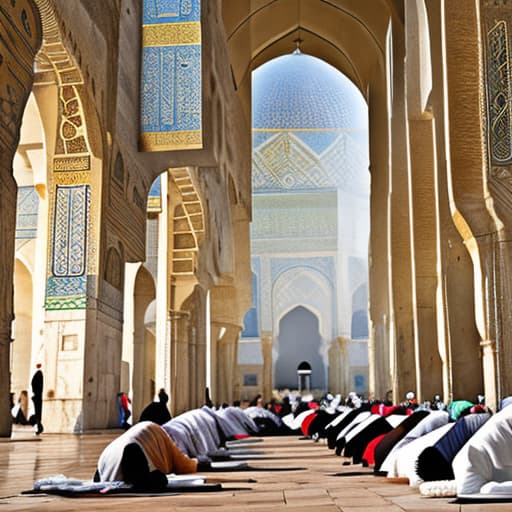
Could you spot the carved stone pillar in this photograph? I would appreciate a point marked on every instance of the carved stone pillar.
(266, 349)
(180, 393)
(379, 270)
(471, 210)
(402, 321)
(227, 362)
(7, 226)
(421, 137)
(496, 23)
(228, 305)
(339, 366)
(197, 348)
(458, 338)
(23, 35)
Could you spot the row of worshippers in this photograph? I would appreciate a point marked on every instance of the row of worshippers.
(462, 450)
(193, 441)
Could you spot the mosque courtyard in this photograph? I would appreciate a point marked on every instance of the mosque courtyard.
(322, 484)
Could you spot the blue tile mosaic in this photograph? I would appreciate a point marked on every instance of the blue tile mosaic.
(26, 213)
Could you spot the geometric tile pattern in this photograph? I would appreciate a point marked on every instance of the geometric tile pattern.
(154, 199)
(499, 97)
(281, 218)
(309, 126)
(26, 213)
(285, 162)
(70, 225)
(70, 193)
(251, 324)
(307, 286)
(325, 265)
(67, 284)
(171, 90)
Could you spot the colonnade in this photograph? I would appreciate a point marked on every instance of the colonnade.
(436, 79)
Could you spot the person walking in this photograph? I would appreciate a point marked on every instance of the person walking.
(37, 384)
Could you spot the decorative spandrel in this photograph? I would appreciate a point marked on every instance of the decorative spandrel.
(499, 93)
(496, 17)
(67, 284)
(171, 102)
(26, 215)
(154, 197)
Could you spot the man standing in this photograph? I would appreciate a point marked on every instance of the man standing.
(37, 397)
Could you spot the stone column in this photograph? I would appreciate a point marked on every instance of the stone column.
(339, 366)
(227, 362)
(458, 338)
(197, 348)
(421, 137)
(379, 325)
(16, 76)
(266, 349)
(335, 372)
(180, 393)
(467, 170)
(402, 320)
(164, 287)
(496, 23)
(215, 330)
(7, 227)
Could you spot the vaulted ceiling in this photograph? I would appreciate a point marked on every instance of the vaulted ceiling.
(348, 34)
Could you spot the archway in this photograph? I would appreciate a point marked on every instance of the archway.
(299, 340)
(351, 37)
(29, 168)
(138, 360)
(22, 328)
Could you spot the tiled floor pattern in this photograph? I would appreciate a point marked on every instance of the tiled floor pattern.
(313, 489)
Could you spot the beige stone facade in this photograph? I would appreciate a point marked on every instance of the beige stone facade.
(111, 293)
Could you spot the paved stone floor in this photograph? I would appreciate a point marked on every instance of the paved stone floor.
(316, 488)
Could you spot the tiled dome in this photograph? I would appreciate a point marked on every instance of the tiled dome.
(298, 91)
(310, 126)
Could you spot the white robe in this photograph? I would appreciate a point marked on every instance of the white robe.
(431, 422)
(362, 416)
(484, 464)
(407, 457)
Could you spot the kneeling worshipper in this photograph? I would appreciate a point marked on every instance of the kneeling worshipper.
(484, 464)
(268, 423)
(405, 466)
(378, 449)
(435, 462)
(459, 408)
(238, 419)
(357, 439)
(333, 429)
(376, 412)
(316, 428)
(143, 456)
(341, 439)
(157, 412)
(431, 422)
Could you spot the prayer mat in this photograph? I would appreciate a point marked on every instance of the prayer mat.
(229, 466)
(352, 473)
(247, 440)
(482, 498)
(74, 488)
(118, 493)
(231, 455)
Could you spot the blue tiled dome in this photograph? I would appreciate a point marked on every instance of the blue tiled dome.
(298, 91)
(310, 126)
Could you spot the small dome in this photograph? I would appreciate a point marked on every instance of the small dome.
(298, 91)
(304, 366)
